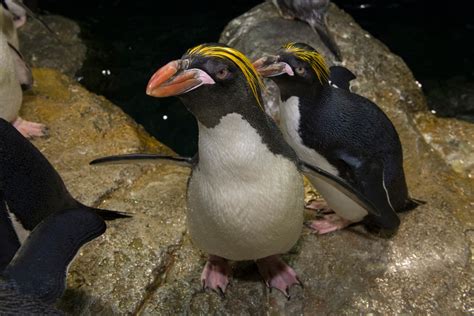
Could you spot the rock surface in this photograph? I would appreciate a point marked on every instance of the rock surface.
(148, 265)
(62, 50)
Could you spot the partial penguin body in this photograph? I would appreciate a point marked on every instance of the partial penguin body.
(312, 12)
(244, 200)
(342, 133)
(11, 95)
(36, 277)
(30, 191)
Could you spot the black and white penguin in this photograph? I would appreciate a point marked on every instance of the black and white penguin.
(245, 193)
(36, 277)
(342, 133)
(14, 74)
(30, 190)
(312, 12)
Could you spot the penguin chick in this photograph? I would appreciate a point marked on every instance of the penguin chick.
(10, 88)
(312, 12)
(36, 277)
(245, 193)
(342, 133)
(30, 191)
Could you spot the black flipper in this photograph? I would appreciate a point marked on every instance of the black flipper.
(132, 158)
(372, 185)
(30, 185)
(40, 266)
(108, 215)
(9, 242)
(342, 186)
(341, 77)
(23, 71)
(411, 204)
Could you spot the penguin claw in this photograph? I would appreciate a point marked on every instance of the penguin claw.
(215, 275)
(328, 223)
(277, 274)
(30, 129)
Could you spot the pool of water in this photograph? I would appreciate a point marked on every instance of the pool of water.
(128, 40)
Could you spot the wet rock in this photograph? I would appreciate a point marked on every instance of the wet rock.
(62, 50)
(148, 264)
(427, 266)
(452, 139)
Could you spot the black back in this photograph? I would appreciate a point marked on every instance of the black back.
(350, 130)
(29, 184)
(39, 267)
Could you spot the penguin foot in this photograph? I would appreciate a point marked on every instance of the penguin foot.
(319, 205)
(328, 223)
(215, 274)
(30, 129)
(277, 274)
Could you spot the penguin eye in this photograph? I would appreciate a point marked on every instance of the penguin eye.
(300, 70)
(223, 73)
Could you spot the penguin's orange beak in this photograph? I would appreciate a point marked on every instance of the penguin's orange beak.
(271, 66)
(174, 79)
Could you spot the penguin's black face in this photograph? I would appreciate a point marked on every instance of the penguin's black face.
(209, 85)
(296, 67)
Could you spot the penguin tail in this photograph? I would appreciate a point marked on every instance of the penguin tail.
(411, 204)
(108, 215)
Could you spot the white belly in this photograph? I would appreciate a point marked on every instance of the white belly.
(244, 202)
(338, 202)
(21, 233)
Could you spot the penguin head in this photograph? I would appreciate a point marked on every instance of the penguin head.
(296, 65)
(210, 79)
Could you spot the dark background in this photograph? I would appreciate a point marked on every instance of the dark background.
(128, 40)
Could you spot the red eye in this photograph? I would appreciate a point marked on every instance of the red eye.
(222, 74)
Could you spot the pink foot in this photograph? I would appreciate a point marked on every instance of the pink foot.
(29, 129)
(328, 223)
(215, 274)
(319, 205)
(277, 274)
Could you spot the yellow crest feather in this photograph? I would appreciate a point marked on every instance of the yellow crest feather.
(252, 77)
(315, 59)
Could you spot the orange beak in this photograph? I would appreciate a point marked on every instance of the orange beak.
(174, 79)
(270, 66)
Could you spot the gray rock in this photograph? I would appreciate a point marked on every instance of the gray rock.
(62, 50)
(148, 265)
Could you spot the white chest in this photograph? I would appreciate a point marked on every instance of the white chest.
(10, 89)
(20, 231)
(244, 202)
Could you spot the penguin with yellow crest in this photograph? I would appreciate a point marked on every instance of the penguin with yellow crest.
(245, 194)
(342, 133)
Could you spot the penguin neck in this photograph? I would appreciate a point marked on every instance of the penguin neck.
(303, 91)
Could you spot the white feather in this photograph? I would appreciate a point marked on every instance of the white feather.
(244, 202)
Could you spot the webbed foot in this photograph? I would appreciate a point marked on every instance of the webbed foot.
(29, 129)
(277, 274)
(215, 274)
(328, 223)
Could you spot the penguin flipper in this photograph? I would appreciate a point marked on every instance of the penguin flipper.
(341, 77)
(133, 158)
(368, 176)
(23, 71)
(108, 215)
(40, 266)
(342, 186)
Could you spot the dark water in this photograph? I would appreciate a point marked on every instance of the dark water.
(129, 40)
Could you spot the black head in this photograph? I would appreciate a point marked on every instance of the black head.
(296, 67)
(211, 79)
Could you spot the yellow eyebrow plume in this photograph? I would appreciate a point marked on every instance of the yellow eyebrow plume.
(254, 80)
(313, 58)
